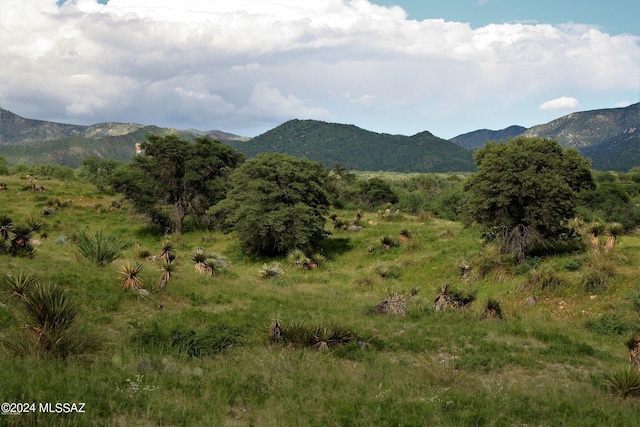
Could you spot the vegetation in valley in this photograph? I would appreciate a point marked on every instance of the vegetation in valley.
(392, 306)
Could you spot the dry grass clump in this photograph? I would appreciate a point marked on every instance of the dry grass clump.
(395, 305)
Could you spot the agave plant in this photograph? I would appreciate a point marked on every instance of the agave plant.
(21, 241)
(613, 230)
(18, 285)
(271, 271)
(129, 276)
(167, 268)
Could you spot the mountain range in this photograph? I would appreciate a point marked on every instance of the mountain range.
(610, 137)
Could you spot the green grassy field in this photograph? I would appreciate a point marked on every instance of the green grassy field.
(199, 353)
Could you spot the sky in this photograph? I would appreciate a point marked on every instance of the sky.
(247, 66)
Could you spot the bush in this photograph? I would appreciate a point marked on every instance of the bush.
(611, 324)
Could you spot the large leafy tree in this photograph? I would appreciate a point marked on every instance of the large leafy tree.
(183, 176)
(526, 189)
(276, 203)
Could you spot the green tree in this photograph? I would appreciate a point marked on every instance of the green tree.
(277, 203)
(172, 172)
(4, 167)
(98, 171)
(526, 189)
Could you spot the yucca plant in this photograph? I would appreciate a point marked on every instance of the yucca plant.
(492, 309)
(215, 263)
(19, 284)
(271, 271)
(167, 252)
(167, 268)
(595, 228)
(199, 256)
(129, 276)
(143, 253)
(297, 257)
(99, 247)
(449, 297)
(6, 226)
(49, 314)
(405, 235)
(625, 382)
(613, 230)
(633, 345)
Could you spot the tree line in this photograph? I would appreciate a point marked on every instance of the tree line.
(525, 191)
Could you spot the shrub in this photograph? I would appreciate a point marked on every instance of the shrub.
(611, 324)
(317, 337)
(99, 247)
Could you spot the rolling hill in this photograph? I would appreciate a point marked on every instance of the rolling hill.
(359, 149)
(609, 137)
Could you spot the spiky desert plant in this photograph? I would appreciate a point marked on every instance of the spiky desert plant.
(49, 314)
(595, 228)
(492, 309)
(167, 251)
(215, 263)
(613, 230)
(167, 268)
(19, 284)
(405, 235)
(449, 297)
(275, 331)
(388, 242)
(271, 271)
(625, 382)
(633, 345)
(6, 226)
(142, 253)
(199, 256)
(99, 247)
(129, 276)
(297, 257)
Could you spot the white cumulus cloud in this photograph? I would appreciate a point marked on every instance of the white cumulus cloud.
(247, 65)
(562, 103)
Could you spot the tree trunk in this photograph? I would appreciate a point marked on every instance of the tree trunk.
(178, 217)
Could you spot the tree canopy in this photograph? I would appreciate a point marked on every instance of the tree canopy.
(276, 203)
(527, 183)
(172, 172)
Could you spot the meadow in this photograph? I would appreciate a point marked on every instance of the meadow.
(201, 351)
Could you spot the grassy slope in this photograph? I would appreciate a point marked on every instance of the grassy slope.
(539, 366)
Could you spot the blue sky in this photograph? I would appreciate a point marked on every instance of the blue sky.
(613, 16)
(247, 66)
